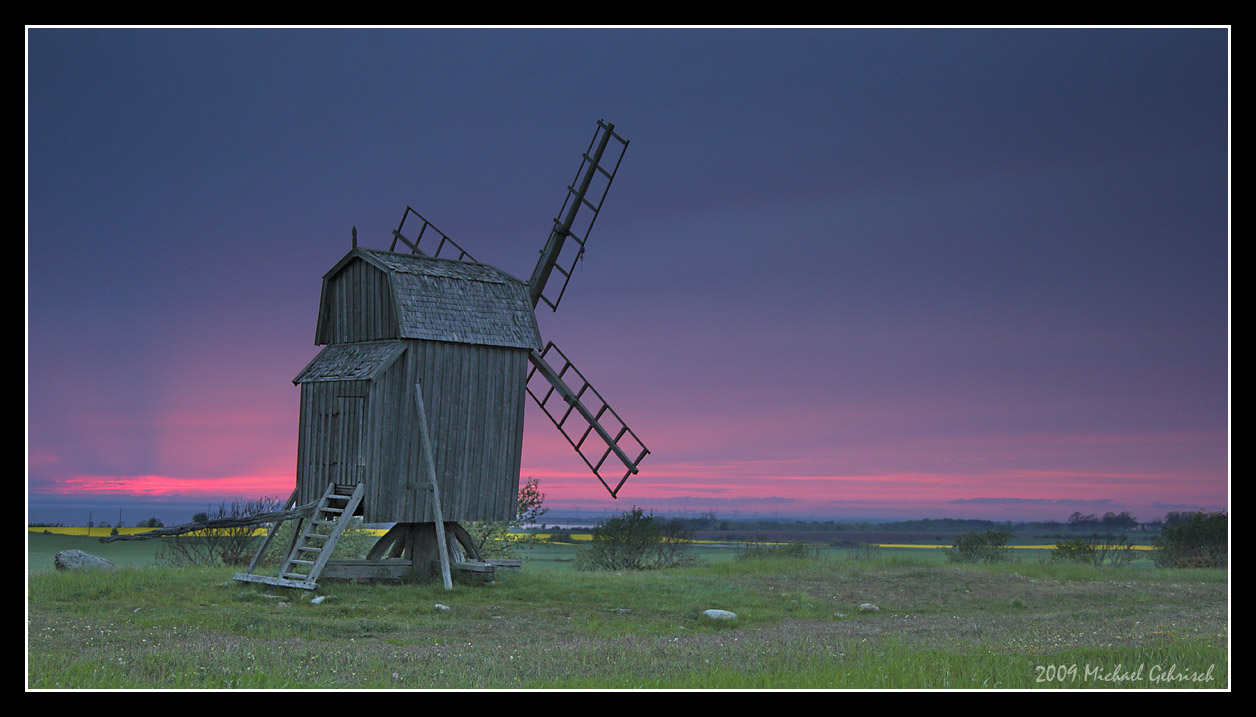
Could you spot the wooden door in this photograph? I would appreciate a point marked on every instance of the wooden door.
(345, 455)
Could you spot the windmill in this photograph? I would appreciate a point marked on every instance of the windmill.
(412, 413)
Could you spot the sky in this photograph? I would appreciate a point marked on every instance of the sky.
(841, 274)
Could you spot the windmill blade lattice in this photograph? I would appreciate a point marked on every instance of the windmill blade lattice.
(602, 432)
(591, 178)
(445, 244)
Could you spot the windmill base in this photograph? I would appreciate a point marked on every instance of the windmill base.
(408, 552)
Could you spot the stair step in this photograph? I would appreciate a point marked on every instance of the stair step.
(281, 582)
(339, 518)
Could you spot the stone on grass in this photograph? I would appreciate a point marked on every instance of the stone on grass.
(869, 607)
(720, 615)
(79, 560)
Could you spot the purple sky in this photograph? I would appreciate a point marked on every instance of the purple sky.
(842, 273)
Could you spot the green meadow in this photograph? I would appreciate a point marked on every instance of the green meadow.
(1024, 624)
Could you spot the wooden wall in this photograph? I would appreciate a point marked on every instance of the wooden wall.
(474, 396)
(334, 440)
(356, 305)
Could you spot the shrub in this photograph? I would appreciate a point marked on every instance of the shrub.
(635, 540)
(493, 538)
(988, 546)
(1097, 550)
(1196, 540)
(233, 546)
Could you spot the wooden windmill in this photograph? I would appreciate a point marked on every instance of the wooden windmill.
(413, 411)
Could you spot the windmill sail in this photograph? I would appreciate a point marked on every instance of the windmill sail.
(449, 246)
(559, 255)
(601, 432)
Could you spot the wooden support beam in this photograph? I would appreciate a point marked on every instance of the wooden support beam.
(270, 534)
(430, 466)
(278, 516)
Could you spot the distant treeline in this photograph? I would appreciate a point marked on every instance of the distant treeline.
(1076, 522)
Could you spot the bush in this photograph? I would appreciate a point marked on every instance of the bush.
(493, 538)
(1097, 550)
(221, 546)
(988, 546)
(1196, 540)
(635, 541)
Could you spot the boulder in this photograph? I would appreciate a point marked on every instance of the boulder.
(869, 607)
(720, 615)
(79, 560)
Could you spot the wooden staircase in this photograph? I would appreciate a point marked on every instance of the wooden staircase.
(314, 539)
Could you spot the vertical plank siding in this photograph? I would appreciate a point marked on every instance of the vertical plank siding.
(356, 430)
(357, 306)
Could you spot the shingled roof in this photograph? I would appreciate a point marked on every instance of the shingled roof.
(351, 362)
(456, 301)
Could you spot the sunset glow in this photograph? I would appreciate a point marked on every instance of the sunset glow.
(851, 274)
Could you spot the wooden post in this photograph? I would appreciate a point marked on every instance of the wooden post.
(428, 449)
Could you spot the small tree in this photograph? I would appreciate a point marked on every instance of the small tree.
(1194, 540)
(493, 538)
(989, 546)
(675, 541)
(635, 540)
(1097, 550)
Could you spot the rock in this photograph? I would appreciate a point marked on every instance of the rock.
(441, 607)
(839, 615)
(869, 607)
(318, 600)
(79, 560)
(720, 615)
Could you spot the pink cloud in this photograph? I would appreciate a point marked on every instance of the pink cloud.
(154, 486)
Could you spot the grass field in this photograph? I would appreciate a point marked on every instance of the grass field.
(1024, 624)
